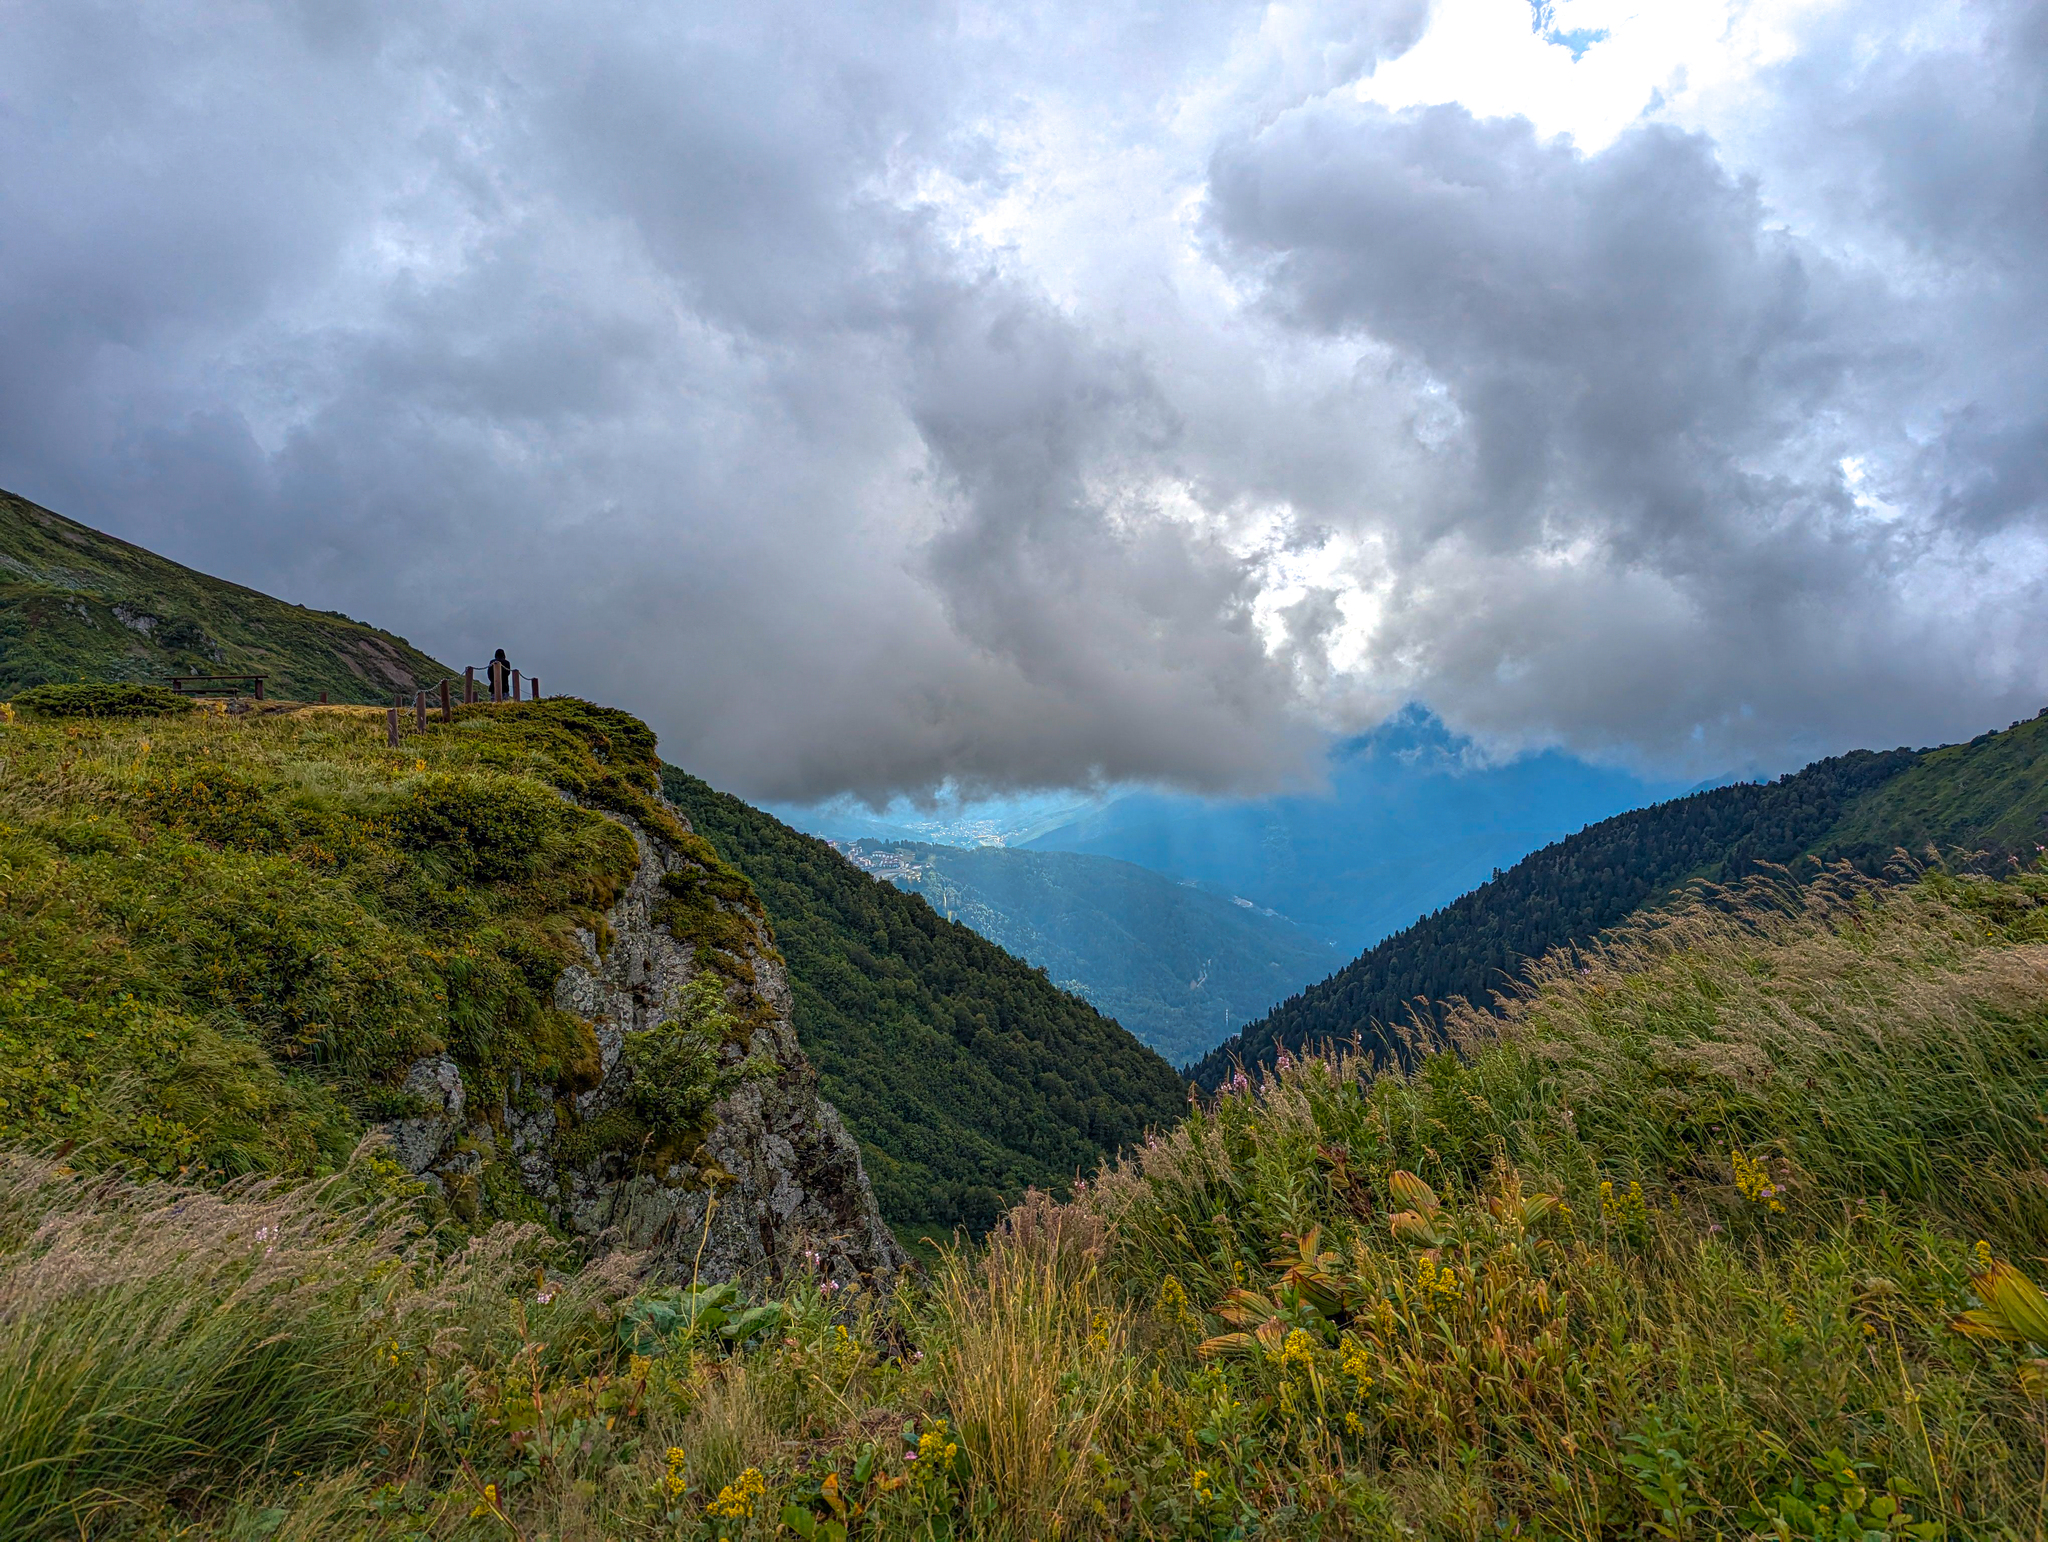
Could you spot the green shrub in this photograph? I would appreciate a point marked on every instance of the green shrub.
(489, 828)
(680, 1069)
(101, 700)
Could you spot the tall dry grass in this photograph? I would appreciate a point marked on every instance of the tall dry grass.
(155, 1338)
(1032, 1350)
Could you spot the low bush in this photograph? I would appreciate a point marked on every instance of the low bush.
(101, 700)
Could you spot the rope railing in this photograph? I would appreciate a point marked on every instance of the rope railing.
(503, 684)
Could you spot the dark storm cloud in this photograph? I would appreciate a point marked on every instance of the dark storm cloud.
(840, 386)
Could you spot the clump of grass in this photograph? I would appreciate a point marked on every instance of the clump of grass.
(153, 1336)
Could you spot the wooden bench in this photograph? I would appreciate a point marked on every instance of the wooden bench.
(217, 685)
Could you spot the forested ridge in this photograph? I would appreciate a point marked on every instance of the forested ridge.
(963, 1072)
(1568, 892)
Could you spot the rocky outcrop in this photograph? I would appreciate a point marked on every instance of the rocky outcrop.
(777, 1179)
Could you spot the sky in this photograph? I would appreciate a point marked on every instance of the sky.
(889, 397)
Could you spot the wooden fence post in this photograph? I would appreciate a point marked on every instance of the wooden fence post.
(469, 685)
(391, 727)
(535, 683)
(419, 711)
(447, 712)
(323, 698)
(497, 682)
(259, 688)
(515, 685)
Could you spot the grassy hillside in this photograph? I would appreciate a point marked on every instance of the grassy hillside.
(965, 1073)
(1729, 1230)
(224, 938)
(1178, 966)
(79, 605)
(1988, 796)
(1569, 892)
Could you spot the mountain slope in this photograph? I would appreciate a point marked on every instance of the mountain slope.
(79, 605)
(1989, 796)
(1407, 823)
(1566, 893)
(1176, 965)
(964, 1073)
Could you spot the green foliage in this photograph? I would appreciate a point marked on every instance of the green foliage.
(486, 828)
(1566, 894)
(964, 1073)
(99, 700)
(680, 1066)
(1532, 1289)
(81, 606)
(224, 939)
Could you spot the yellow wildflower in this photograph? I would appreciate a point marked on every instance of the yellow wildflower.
(675, 1480)
(1352, 1423)
(1296, 1352)
(1435, 1280)
(1983, 1252)
(735, 1502)
(1754, 1180)
(933, 1444)
(1204, 1493)
(1173, 1304)
(488, 1505)
(1098, 1333)
(419, 765)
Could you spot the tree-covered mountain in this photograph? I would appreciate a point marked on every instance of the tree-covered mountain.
(1989, 797)
(77, 605)
(965, 1073)
(1177, 965)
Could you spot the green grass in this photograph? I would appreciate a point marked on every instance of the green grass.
(76, 605)
(1989, 795)
(224, 938)
(1684, 1248)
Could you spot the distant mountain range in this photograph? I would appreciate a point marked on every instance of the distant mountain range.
(1982, 802)
(1177, 965)
(1412, 818)
(76, 604)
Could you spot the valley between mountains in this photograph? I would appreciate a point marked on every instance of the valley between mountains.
(505, 1133)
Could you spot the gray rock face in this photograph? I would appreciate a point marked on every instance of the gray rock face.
(778, 1179)
(436, 1085)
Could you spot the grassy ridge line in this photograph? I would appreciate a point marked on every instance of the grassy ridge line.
(966, 1076)
(1567, 893)
(1691, 1248)
(224, 939)
(1988, 796)
(77, 605)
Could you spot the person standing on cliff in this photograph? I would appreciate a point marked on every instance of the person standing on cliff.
(500, 673)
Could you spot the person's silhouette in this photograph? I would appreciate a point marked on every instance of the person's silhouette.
(501, 676)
